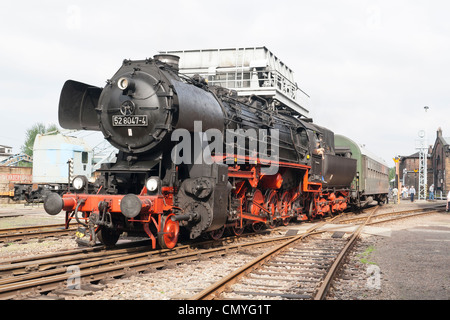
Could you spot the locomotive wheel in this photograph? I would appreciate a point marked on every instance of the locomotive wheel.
(312, 209)
(256, 198)
(217, 234)
(284, 207)
(237, 231)
(285, 221)
(168, 235)
(257, 226)
(107, 236)
(271, 204)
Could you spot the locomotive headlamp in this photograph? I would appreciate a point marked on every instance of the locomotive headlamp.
(125, 83)
(152, 184)
(122, 83)
(79, 182)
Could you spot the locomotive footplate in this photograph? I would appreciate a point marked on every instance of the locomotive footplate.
(96, 212)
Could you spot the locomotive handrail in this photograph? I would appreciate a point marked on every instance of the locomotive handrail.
(273, 79)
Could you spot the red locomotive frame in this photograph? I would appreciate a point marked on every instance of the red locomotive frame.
(158, 211)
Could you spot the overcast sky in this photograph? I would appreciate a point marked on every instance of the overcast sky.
(370, 67)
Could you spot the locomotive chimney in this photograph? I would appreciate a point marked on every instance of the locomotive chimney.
(170, 59)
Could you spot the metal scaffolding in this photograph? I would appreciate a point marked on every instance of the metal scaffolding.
(423, 174)
(423, 155)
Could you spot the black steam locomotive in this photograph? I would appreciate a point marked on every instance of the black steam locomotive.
(197, 159)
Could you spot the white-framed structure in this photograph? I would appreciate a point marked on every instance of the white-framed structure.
(249, 71)
(421, 145)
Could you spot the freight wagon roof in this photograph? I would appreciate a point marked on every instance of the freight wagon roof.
(362, 149)
(60, 142)
(373, 156)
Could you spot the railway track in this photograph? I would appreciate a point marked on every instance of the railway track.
(285, 259)
(35, 232)
(391, 216)
(301, 268)
(42, 274)
(304, 263)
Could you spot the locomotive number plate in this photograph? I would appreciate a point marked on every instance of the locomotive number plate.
(127, 121)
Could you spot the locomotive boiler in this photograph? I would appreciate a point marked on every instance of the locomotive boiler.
(196, 159)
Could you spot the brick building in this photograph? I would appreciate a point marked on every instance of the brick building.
(409, 170)
(438, 166)
(440, 158)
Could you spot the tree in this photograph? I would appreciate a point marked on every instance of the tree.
(391, 173)
(31, 133)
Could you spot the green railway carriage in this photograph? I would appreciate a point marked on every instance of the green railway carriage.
(372, 179)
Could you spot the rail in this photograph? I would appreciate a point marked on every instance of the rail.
(304, 283)
(323, 289)
(46, 273)
(217, 288)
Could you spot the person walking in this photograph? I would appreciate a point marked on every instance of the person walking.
(431, 190)
(448, 202)
(404, 192)
(395, 195)
(412, 192)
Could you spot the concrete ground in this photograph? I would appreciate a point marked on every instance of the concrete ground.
(409, 259)
(415, 260)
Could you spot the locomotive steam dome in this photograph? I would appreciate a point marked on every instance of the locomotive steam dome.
(134, 107)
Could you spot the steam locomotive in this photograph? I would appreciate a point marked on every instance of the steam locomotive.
(196, 159)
